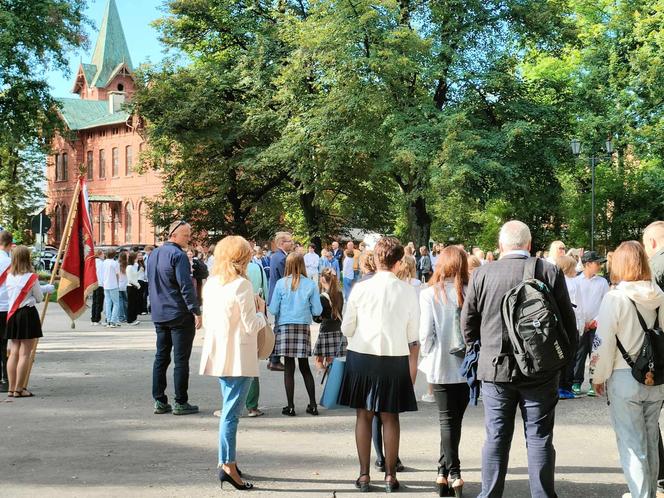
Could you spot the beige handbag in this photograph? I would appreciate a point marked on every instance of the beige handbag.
(265, 342)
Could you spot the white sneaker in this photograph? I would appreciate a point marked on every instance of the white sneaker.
(428, 398)
(135, 322)
(96, 324)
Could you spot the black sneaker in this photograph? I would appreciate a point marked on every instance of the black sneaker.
(160, 408)
(4, 386)
(184, 409)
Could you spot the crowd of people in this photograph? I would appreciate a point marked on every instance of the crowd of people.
(390, 311)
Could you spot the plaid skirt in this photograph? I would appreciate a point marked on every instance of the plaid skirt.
(292, 340)
(330, 344)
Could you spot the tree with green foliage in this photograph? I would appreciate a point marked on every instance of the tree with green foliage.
(35, 36)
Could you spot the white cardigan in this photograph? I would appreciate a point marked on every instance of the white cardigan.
(382, 316)
(439, 332)
(617, 319)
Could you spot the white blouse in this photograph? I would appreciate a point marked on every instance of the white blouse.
(382, 316)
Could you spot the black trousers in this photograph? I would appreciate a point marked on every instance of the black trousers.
(134, 302)
(144, 296)
(97, 304)
(178, 336)
(584, 349)
(3, 346)
(452, 401)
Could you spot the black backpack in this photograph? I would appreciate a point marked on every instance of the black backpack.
(648, 368)
(531, 316)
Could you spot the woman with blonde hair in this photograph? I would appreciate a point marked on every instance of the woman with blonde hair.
(440, 332)
(473, 263)
(556, 249)
(408, 272)
(367, 265)
(23, 324)
(295, 301)
(636, 303)
(232, 319)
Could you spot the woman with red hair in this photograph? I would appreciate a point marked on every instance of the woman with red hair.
(440, 336)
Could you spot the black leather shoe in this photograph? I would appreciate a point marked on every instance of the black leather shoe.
(276, 367)
(288, 410)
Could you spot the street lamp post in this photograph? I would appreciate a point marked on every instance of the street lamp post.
(576, 150)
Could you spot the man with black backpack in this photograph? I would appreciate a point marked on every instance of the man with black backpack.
(520, 311)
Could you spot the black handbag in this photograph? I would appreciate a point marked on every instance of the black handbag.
(648, 368)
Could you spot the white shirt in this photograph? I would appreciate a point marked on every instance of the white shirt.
(111, 274)
(591, 291)
(347, 270)
(577, 300)
(382, 316)
(140, 272)
(209, 263)
(440, 331)
(15, 284)
(5, 261)
(311, 260)
(417, 285)
(99, 266)
(132, 276)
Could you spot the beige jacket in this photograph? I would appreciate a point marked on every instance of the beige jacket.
(231, 326)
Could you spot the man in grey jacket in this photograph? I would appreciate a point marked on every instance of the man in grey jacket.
(653, 241)
(503, 387)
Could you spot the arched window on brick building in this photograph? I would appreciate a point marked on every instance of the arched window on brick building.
(129, 212)
(103, 218)
(57, 228)
(141, 222)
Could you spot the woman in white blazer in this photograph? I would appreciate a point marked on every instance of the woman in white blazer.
(232, 318)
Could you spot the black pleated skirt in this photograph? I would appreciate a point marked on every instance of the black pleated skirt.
(24, 324)
(377, 383)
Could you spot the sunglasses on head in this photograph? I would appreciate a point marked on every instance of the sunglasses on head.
(179, 224)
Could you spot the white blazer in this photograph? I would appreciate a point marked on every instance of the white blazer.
(231, 327)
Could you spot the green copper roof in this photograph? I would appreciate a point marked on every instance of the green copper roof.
(89, 70)
(81, 114)
(111, 48)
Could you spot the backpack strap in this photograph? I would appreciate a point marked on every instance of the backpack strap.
(641, 320)
(624, 354)
(529, 269)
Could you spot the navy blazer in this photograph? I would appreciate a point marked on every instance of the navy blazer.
(481, 318)
(277, 268)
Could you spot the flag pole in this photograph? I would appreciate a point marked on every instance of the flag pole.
(64, 242)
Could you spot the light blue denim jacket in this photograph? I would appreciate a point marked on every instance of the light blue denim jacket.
(295, 306)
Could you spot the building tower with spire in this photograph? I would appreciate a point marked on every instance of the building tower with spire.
(102, 138)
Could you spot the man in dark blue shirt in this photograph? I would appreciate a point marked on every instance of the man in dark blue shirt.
(176, 316)
(284, 243)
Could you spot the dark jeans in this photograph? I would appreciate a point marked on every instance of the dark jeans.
(3, 346)
(133, 303)
(452, 400)
(583, 350)
(177, 335)
(97, 304)
(538, 405)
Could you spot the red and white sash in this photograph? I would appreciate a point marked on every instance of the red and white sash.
(18, 289)
(5, 264)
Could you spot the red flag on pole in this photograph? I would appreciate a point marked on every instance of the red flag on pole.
(78, 275)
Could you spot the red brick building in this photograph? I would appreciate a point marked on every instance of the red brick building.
(103, 138)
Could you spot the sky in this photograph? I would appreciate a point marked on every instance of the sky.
(136, 16)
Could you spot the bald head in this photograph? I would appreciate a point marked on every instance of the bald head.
(514, 235)
(653, 238)
(180, 233)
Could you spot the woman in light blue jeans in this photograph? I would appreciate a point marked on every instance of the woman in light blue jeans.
(634, 407)
(230, 349)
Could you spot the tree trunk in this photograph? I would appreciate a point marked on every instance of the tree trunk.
(313, 218)
(419, 222)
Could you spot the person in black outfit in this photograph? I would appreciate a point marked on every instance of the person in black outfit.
(331, 342)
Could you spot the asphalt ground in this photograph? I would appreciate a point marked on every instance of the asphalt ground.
(90, 432)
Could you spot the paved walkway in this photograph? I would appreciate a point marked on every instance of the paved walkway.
(90, 431)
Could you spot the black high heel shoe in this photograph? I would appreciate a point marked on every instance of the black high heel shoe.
(363, 486)
(224, 477)
(288, 410)
(391, 484)
(457, 487)
(443, 488)
(312, 409)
